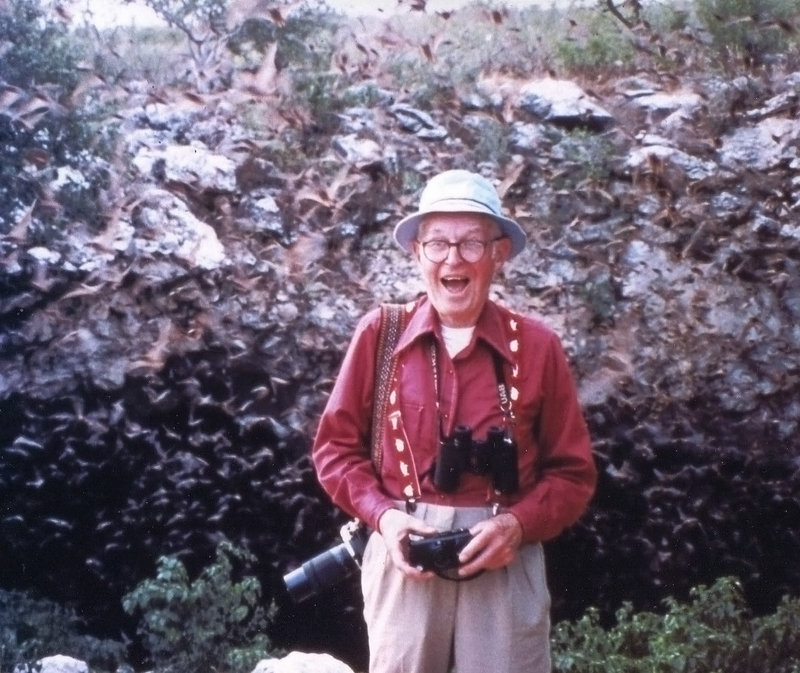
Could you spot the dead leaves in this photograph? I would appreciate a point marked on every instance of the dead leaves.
(27, 108)
(334, 195)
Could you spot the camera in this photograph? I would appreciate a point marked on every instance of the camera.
(438, 552)
(495, 457)
(330, 567)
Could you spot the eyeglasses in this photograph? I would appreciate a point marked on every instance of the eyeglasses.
(470, 249)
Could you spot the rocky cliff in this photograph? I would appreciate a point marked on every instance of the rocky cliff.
(161, 374)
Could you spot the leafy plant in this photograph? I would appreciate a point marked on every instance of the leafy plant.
(712, 632)
(596, 45)
(750, 29)
(32, 628)
(41, 132)
(583, 156)
(213, 622)
(36, 49)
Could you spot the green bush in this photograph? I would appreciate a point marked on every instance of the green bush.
(32, 628)
(597, 45)
(36, 49)
(41, 132)
(712, 633)
(212, 623)
(750, 29)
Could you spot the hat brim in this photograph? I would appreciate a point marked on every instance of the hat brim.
(405, 233)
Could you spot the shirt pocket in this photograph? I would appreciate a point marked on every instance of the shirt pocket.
(419, 424)
(416, 424)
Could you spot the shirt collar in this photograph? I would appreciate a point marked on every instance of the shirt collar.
(493, 327)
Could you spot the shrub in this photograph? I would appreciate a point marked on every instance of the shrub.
(152, 54)
(36, 49)
(749, 29)
(713, 632)
(212, 623)
(32, 628)
(40, 132)
(597, 45)
(583, 156)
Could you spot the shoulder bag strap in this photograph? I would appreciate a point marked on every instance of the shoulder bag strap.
(393, 319)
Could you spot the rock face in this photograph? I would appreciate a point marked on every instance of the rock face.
(161, 377)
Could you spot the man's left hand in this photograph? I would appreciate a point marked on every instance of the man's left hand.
(494, 545)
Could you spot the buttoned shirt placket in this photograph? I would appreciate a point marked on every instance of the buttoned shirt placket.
(398, 438)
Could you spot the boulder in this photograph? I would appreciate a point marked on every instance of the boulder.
(302, 662)
(58, 663)
(563, 103)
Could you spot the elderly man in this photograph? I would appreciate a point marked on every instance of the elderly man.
(465, 370)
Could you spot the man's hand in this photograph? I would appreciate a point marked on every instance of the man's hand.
(395, 527)
(494, 545)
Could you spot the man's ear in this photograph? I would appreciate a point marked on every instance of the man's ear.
(416, 249)
(501, 252)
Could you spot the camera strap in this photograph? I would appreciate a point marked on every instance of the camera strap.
(505, 395)
(387, 400)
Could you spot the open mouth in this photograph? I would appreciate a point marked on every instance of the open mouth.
(455, 284)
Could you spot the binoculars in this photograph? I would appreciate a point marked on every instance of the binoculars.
(495, 457)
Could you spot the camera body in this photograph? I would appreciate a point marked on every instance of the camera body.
(438, 552)
(495, 457)
(331, 566)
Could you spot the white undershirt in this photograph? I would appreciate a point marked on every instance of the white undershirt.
(456, 339)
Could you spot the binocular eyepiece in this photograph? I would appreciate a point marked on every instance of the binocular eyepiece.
(495, 457)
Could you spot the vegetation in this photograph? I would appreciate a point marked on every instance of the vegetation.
(46, 166)
(713, 632)
(215, 622)
(32, 628)
(752, 32)
(311, 60)
(289, 76)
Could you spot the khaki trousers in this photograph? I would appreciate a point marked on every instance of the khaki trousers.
(498, 622)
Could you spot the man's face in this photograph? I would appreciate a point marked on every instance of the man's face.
(457, 288)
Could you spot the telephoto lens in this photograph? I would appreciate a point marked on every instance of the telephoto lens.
(330, 567)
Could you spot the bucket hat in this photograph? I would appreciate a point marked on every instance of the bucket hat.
(459, 191)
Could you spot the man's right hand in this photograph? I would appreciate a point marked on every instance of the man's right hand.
(395, 526)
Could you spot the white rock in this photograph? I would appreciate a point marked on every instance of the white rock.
(302, 662)
(58, 663)
(557, 99)
(191, 164)
(175, 231)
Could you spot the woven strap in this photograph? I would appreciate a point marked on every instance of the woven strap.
(393, 319)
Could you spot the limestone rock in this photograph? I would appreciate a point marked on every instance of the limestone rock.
(302, 662)
(57, 663)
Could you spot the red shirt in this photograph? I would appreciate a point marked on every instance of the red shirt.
(557, 474)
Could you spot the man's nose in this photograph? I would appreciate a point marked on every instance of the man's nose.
(453, 254)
